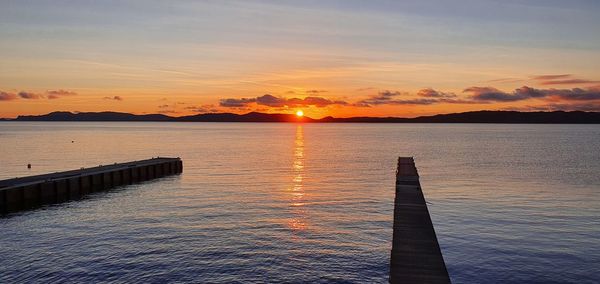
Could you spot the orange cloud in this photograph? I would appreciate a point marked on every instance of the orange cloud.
(115, 98)
(273, 101)
(5, 96)
(55, 94)
(562, 79)
(491, 94)
(30, 96)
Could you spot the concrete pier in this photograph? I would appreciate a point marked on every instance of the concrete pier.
(416, 256)
(33, 191)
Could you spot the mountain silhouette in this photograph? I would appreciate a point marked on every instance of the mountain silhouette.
(464, 117)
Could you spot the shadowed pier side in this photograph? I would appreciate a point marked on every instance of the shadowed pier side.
(30, 192)
(416, 256)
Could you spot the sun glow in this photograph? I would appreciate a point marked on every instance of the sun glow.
(299, 113)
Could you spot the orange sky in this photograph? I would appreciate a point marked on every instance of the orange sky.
(347, 59)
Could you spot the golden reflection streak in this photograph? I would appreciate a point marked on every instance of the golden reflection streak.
(298, 221)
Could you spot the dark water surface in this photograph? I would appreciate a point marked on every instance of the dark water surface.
(306, 202)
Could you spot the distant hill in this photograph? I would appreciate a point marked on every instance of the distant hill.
(465, 117)
(93, 116)
(512, 117)
(248, 117)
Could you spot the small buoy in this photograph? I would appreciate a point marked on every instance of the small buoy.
(29, 166)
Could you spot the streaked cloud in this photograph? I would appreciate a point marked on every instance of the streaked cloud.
(314, 92)
(273, 101)
(114, 98)
(551, 77)
(562, 79)
(206, 108)
(426, 96)
(570, 82)
(236, 102)
(429, 96)
(431, 93)
(524, 93)
(26, 95)
(30, 95)
(6, 96)
(55, 94)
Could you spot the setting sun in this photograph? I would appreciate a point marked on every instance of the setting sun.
(299, 113)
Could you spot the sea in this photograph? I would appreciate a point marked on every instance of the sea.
(305, 202)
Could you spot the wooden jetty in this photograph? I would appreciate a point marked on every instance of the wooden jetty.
(33, 191)
(416, 256)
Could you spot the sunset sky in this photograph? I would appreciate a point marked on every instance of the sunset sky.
(339, 58)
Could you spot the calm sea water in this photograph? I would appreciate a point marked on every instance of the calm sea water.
(306, 202)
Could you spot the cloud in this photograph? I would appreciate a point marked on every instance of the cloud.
(168, 111)
(562, 79)
(30, 95)
(270, 100)
(55, 94)
(575, 94)
(365, 89)
(505, 80)
(431, 93)
(51, 94)
(383, 97)
(316, 101)
(314, 92)
(208, 108)
(5, 96)
(551, 77)
(428, 97)
(492, 94)
(236, 102)
(273, 101)
(570, 82)
(115, 98)
(163, 106)
(525, 93)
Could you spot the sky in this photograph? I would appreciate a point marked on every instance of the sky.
(327, 58)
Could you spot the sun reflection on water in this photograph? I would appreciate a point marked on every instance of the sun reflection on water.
(298, 220)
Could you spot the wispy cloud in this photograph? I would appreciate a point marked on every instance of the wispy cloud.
(505, 80)
(207, 108)
(30, 95)
(6, 96)
(114, 98)
(26, 95)
(562, 79)
(431, 93)
(273, 101)
(236, 102)
(525, 93)
(168, 111)
(383, 97)
(314, 92)
(55, 94)
(570, 82)
(551, 77)
(492, 94)
(365, 89)
(426, 96)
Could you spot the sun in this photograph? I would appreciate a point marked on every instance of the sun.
(299, 113)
